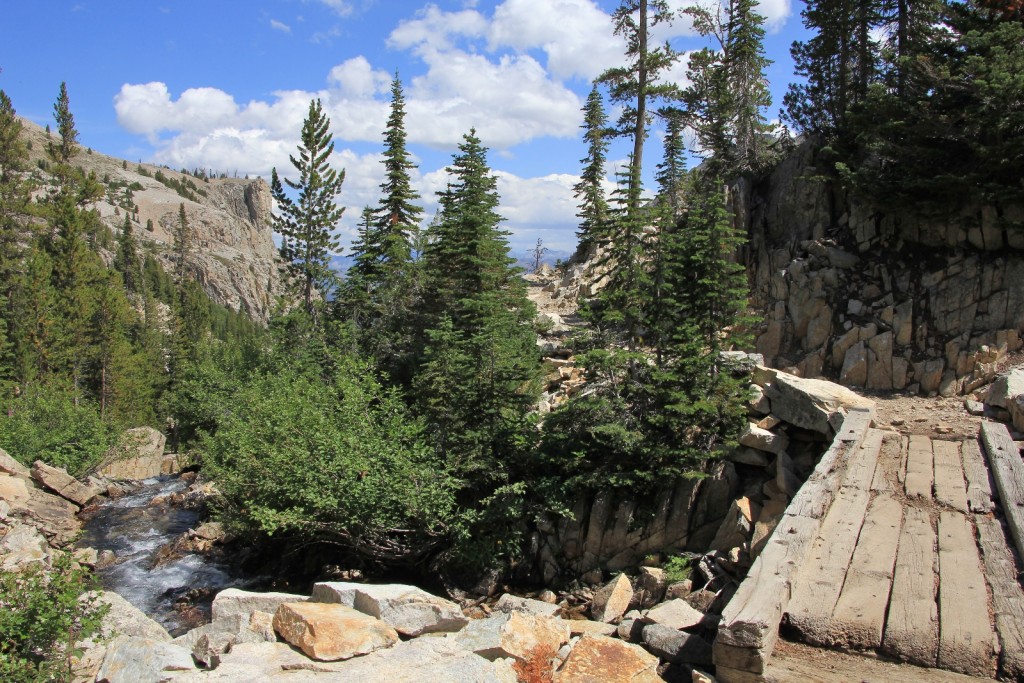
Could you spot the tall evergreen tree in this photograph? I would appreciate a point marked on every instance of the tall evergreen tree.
(589, 191)
(636, 85)
(306, 224)
(76, 268)
(728, 91)
(692, 402)
(383, 279)
(476, 382)
(838, 62)
(398, 215)
(126, 260)
(14, 200)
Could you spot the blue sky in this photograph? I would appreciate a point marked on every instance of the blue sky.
(225, 84)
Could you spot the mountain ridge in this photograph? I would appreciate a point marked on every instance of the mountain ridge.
(233, 258)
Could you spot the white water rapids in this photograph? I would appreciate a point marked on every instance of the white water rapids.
(135, 530)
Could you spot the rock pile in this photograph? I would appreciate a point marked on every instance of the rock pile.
(348, 631)
(1004, 400)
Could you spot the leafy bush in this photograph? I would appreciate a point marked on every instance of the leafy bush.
(42, 615)
(45, 424)
(677, 569)
(325, 455)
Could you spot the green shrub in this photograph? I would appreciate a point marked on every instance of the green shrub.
(45, 424)
(325, 455)
(42, 615)
(677, 569)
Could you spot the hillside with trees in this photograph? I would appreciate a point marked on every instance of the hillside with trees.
(388, 416)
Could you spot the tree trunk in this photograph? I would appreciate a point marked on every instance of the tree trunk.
(640, 129)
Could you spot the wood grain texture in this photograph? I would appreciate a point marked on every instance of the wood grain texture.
(967, 642)
(912, 627)
(1007, 597)
(1008, 475)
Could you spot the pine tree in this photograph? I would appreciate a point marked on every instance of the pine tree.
(383, 279)
(728, 91)
(671, 172)
(691, 402)
(635, 86)
(481, 353)
(306, 225)
(76, 268)
(182, 237)
(589, 191)
(126, 260)
(14, 200)
(398, 216)
(622, 306)
(839, 61)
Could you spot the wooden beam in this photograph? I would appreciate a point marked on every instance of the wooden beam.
(1008, 474)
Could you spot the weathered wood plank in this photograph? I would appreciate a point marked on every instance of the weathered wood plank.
(861, 470)
(967, 643)
(979, 481)
(1008, 475)
(919, 467)
(821, 579)
(888, 462)
(912, 627)
(752, 617)
(950, 488)
(859, 615)
(904, 453)
(1007, 597)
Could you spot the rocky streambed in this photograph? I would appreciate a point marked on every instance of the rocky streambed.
(144, 551)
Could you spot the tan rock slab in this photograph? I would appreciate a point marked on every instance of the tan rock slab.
(409, 610)
(422, 660)
(512, 634)
(514, 603)
(612, 601)
(327, 632)
(9, 465)
(233, 601)
(130, 659)
(762, 439)
(13, 489)
(597, 658)
(675, 614)
(63, 484)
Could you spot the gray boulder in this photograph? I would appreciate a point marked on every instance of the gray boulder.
(141, 660)
(409, 610)
(678, 647)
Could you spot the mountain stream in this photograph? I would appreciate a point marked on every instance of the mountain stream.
(176, 592)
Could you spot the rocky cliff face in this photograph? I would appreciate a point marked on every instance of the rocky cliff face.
(233, 255)
(929, 304)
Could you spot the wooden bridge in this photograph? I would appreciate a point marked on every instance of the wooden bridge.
(896, 545)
